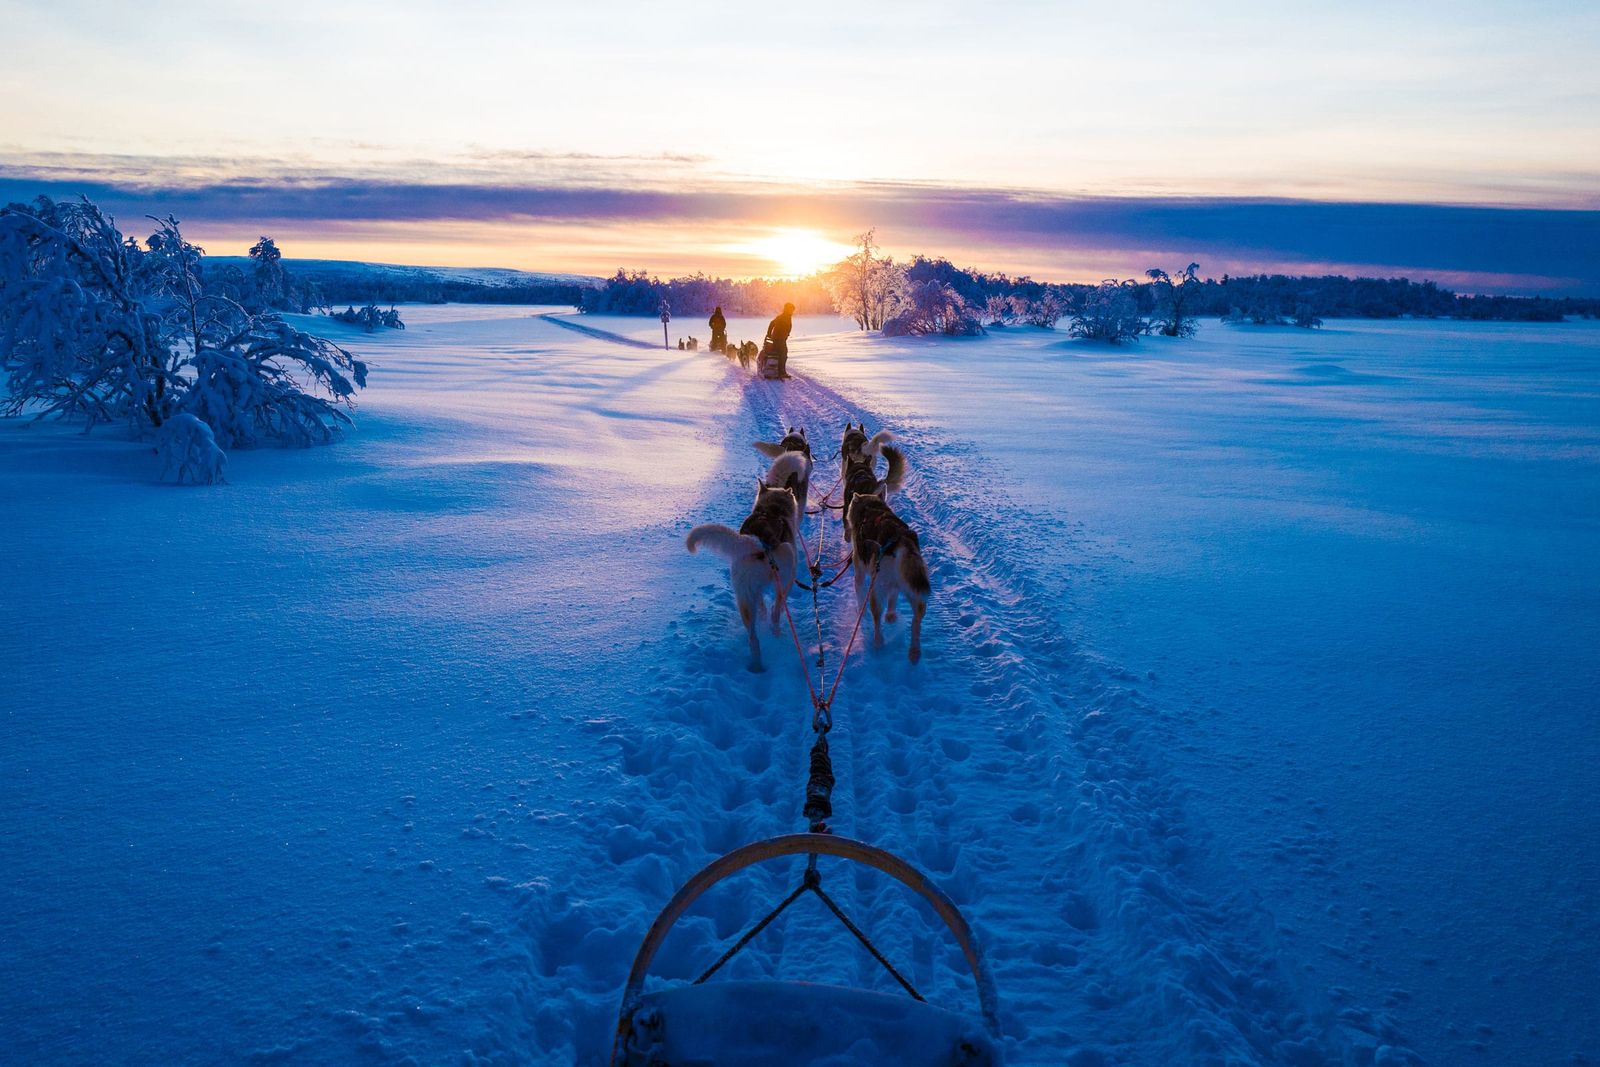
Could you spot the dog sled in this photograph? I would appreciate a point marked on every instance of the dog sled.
(767, 365)
(721, 1024)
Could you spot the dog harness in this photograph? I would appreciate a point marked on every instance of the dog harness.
(880, 526)
(767, 524)
(793, 442)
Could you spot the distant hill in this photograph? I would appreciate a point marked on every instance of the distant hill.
(350, 281)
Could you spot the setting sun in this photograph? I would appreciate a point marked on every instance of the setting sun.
(797, 253)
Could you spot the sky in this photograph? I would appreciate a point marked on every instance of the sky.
(1070, 141)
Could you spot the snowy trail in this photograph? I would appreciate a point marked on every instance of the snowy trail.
(1007, 752)
(482, 714)
(565, 322)
(1015, 770)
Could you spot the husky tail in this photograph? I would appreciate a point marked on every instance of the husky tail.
(722, 541)
(768, 449)
(877, 444)
(895, 476)
(913, 574)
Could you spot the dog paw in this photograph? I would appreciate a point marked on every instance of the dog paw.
(755, 667)
(914, 655)
(890, 616)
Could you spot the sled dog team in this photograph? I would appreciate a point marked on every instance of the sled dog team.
(763, 553)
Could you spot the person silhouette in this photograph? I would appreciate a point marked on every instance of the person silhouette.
(778, 341)
(719, 330)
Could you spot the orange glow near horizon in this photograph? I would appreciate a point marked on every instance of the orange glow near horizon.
(796, 253)
(581, 247)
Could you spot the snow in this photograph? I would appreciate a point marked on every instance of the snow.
(188, 451)
(1255, 721)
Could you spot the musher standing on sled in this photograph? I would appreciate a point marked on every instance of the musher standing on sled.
(778, 341)
(719, 330)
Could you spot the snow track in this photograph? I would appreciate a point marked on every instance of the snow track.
(1022, 775)
(528, 721)
(565, 322)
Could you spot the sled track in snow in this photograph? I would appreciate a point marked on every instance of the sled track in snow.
(1020, 773)
(566, 323)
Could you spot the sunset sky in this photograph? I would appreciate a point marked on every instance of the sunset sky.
(1071, 141)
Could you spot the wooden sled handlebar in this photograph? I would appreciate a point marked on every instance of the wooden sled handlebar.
(798, 845)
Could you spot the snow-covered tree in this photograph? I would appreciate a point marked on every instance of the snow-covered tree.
(1174, 298)
(867, 287)
(1044, 312)
(271, 280)
(1110, 313)
(933, 307)
(370, 317)
(254, 378)
(92, 325)
(77, 335)
(999, 311)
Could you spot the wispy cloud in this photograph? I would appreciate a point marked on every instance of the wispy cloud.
(687, 213)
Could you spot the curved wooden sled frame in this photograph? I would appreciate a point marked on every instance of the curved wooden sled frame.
(801, 845)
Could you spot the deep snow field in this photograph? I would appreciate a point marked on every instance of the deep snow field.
(1256, 721)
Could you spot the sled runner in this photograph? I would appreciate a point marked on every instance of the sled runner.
(726, 1023)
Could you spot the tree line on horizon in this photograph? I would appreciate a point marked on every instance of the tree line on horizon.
(932, 295)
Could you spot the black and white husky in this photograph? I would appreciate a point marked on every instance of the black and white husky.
(888, 562)
(760, 554)
(858, 455)
(794, 443)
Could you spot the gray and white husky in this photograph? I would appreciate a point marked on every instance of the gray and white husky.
(794, 443)
(760, 554)
(858, 455)
(887, 558)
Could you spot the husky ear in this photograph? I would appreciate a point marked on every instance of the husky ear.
(802, 431)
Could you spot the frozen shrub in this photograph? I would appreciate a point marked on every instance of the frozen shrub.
(1175, 299)
(934, 308)
(188, 452)
(370, 318)
(1044, 312)
(999, 311)
(93, 325)
(77, 335)
(1111, 314)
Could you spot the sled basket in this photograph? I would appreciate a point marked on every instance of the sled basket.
(722, 1024)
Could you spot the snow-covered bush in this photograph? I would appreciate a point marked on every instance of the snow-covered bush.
(1044, 312)
(76, 336)
(1110, 313)
(93, 325)
(370, 317)
(1269, 311)
(188, 452)
(934, 308)
(999, 311)
(1175, 299)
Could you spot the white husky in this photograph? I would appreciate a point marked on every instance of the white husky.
(794, 443)
(760, 554)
